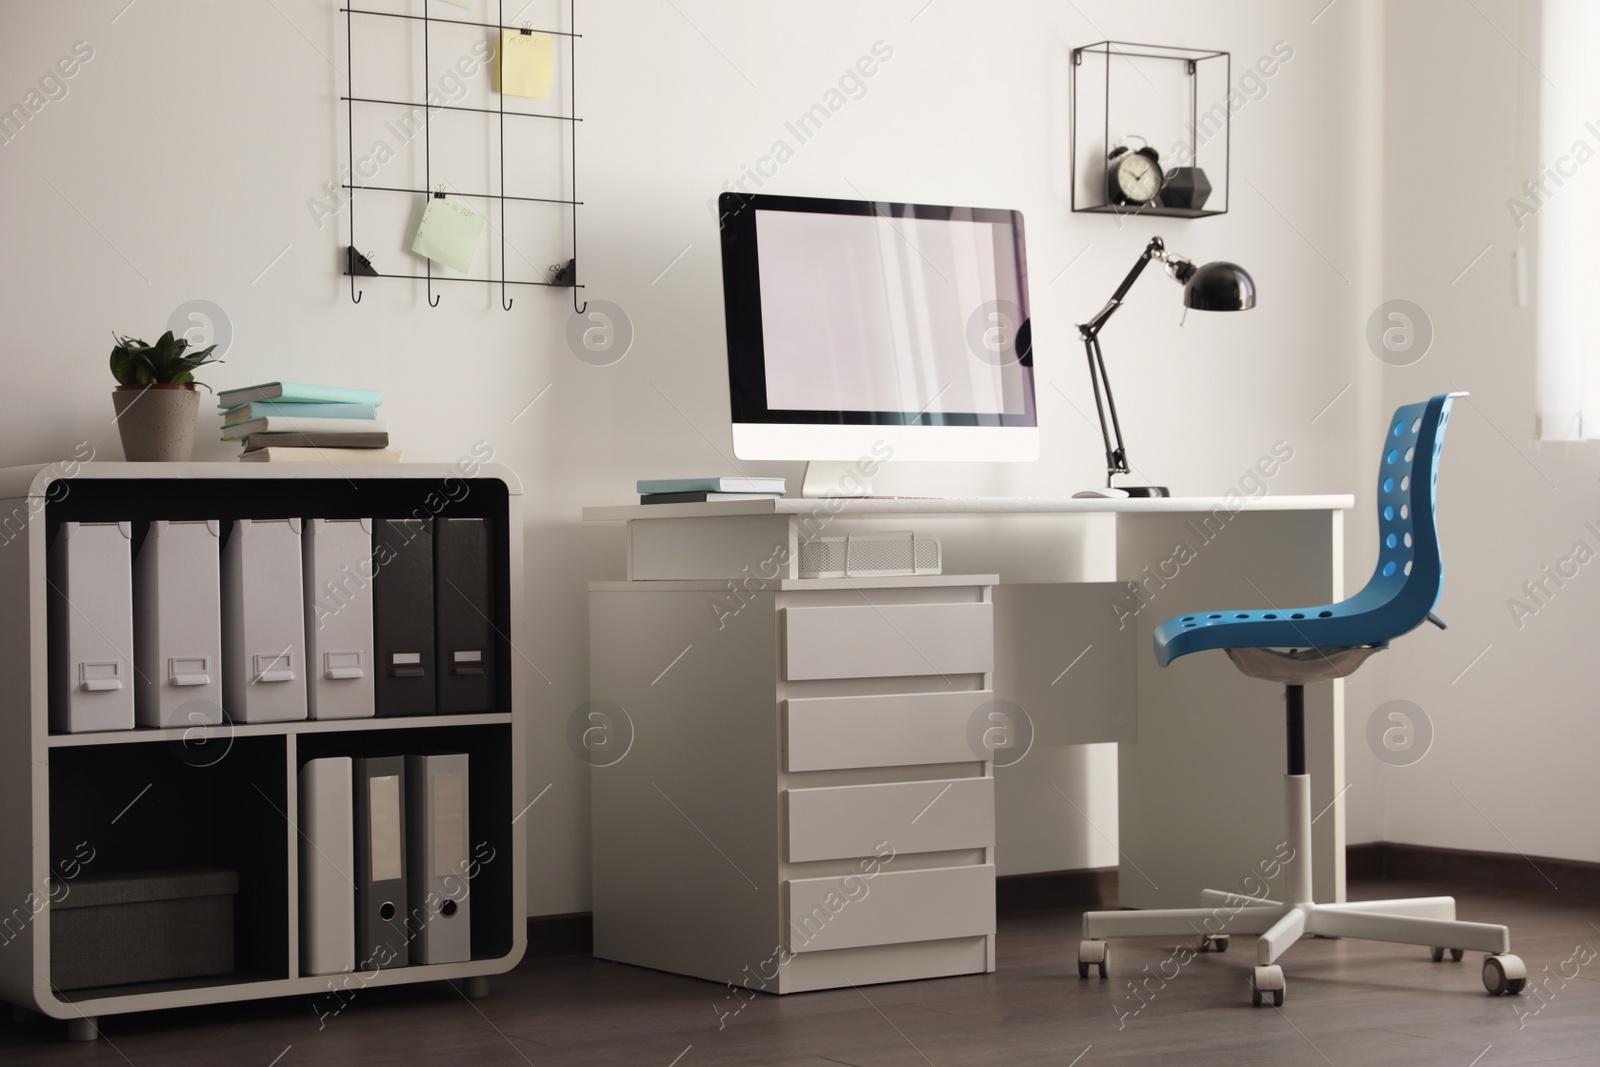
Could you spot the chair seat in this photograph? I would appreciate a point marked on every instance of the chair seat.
(1406, 578)
(1299, 666)
(1330, 626)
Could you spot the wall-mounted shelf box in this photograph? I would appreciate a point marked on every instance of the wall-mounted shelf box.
(1176, 99)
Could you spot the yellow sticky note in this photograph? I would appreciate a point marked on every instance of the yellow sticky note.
(448, 233)
(525, 63)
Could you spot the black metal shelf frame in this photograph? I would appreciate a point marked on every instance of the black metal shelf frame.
(1191, 58)
(359, 265)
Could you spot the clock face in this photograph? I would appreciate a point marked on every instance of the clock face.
(1139, 178)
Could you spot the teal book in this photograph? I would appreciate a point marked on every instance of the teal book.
(256, 409)
(711, 485)
(293, 391)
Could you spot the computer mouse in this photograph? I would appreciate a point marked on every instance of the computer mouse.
(1101, 494)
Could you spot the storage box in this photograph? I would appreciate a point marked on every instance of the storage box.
(338, 572)
(151, 927)
(177, 642)
(263, 622)
(91, 627)
(870, 555)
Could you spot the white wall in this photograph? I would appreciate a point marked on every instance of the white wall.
(1512, 765)
(180, 163)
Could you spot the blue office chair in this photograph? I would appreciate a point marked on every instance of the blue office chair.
(1293, 647)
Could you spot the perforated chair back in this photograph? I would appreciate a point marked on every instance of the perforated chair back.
(1405, 584)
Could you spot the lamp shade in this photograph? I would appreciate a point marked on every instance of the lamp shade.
(1220, 286)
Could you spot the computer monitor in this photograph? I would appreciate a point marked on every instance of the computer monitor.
(862, 328)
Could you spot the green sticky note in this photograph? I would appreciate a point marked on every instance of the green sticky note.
(448, 233)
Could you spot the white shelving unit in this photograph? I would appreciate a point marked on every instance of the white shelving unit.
(235, 801)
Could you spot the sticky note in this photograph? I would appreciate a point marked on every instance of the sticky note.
(525, 63)
(448, 233)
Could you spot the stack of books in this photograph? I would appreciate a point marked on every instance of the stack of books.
(698, 490)
(284, 422)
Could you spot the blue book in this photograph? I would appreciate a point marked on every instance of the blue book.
(711, 485)
(256, 409)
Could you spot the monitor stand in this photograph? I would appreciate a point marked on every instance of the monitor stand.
(834, 478)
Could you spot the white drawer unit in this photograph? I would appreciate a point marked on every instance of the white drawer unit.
(804, 802)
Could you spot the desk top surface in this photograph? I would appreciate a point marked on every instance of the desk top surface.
(893, 507)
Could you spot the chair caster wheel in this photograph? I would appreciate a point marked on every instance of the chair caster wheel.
(1265, 980)
(1504, 974)
(1455, 954)
(1093, 953)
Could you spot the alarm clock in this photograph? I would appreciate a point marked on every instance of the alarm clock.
(1133, 176)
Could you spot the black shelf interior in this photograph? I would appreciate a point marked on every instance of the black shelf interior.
(489, 811)
(154, 806)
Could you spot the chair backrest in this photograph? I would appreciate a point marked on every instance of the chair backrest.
(1409, 575)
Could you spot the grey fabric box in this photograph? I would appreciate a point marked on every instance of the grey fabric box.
(151, 927)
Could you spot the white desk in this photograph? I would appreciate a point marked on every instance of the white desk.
(1200, 745)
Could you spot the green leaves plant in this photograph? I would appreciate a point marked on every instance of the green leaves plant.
(133, 362)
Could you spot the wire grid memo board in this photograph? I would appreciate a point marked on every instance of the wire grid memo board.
(452, 139)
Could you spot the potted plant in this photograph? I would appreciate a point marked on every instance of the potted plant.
(155, 400)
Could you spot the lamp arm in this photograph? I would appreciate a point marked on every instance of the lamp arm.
(1156, 249)
(1116, 452)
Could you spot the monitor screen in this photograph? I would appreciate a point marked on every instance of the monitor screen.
(867, 313)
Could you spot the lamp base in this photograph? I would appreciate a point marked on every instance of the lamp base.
(1145, 490)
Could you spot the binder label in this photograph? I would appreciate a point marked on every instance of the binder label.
(449, 823)
(383, 793)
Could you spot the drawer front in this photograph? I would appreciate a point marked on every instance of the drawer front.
(891, 908)
(841, 822)
(891, 640)
(834, 733)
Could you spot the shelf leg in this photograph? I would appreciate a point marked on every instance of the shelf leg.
(85, 1028)
(476, 987)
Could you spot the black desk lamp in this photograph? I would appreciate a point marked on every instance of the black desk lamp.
(1216, 286)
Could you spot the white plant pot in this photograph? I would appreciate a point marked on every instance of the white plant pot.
(156, 421)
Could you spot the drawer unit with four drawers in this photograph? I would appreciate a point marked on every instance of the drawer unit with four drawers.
(793, 793)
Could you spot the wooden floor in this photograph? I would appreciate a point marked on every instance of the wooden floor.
(1349, 1003)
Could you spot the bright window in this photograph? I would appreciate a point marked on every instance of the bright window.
(1565, 200)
